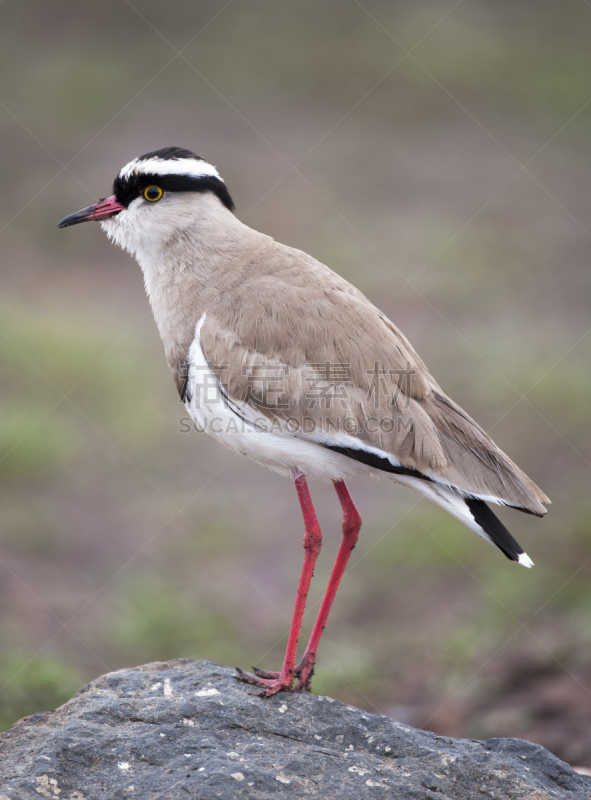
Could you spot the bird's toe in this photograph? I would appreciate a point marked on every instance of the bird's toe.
(269, 686)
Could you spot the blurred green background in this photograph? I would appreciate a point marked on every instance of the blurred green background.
(434, 153)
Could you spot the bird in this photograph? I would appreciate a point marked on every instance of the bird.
(282, 360)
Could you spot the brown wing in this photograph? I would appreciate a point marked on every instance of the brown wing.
(299, 343)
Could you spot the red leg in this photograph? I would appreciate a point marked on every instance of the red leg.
(351, 528)
(312, 543)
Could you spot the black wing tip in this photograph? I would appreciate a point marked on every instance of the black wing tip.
(492, 526)
(496, 531)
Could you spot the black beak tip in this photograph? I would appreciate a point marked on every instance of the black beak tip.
(75, 218)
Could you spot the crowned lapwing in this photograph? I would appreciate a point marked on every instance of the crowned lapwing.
(280, 359)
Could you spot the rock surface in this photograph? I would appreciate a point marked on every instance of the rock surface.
(188, 729)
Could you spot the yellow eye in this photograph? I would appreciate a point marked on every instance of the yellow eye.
(153, 193)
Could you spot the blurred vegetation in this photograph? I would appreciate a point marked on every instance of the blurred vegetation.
(37, 682)
(451, 184)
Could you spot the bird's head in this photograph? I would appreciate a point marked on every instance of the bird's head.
(153, 196)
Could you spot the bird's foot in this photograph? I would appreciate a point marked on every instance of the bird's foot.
(270, 682)
(305, 671)
(273, 682)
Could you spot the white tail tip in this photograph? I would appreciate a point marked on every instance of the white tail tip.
(525, 560)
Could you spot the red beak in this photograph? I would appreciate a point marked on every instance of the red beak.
(105, 208)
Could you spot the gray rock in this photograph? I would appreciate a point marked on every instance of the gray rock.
(188, 729)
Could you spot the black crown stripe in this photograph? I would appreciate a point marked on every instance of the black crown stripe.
(170, 154)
